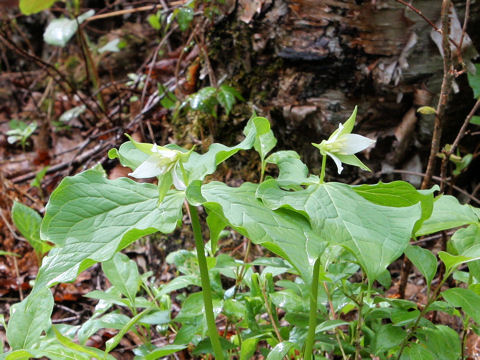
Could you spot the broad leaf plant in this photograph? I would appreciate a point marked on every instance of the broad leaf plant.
(320, 294)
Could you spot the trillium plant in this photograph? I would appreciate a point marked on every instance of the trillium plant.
(319, 292)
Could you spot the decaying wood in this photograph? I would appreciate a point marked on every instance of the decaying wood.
(307, 63)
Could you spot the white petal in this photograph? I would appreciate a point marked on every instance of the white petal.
(177, 182)
(149, 168)
(353, 143)
(337, 162)
(335, 134)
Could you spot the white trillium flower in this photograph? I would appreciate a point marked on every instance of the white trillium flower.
(342, 146)
(161, 161)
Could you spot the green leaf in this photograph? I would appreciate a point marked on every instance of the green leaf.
(388, 336)
(108, 321)
(91, 218)
(264, 138)
(329, 325)
(204, 100)
(283, 232)
(466, 299)
(78, 349)
(474, 81)
(376, 235)
(193, 307)
(226, 99)
(199, 166)
(29, 318)
(123, 274)
(28, 222)
(475, 120)
(414, 351)
(168, 99)
(60, 31)
(249, 346)
(73, 113)
(281, 350)
(465, 242)
(442, 341)
(452, 261)
(293, 172)
(161, 352)
(289, 300)
(28, 7)
(128, 154)
(113, 342)
(447, 213)
(426, 110)
(184, 17)
(399, 194)
(423, 260)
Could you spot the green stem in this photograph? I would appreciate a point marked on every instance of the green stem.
(312, 321)
(324, 165)
(206, 289)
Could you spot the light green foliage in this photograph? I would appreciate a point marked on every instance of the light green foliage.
(28, 319)
(28, 7)
(320, 234)
(60, 31)
(20, 132)
(28, 223)
(207, 98)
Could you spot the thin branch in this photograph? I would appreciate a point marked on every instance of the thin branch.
(444, 93)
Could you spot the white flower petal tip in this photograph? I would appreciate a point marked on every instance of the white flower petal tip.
(342, 145)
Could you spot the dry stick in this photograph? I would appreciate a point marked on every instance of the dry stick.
(464, 28)
(444, 93)
(437, 129)
(51, 70)
(131, 11)
(461, 133)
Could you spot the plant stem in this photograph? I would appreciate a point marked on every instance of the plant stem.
(206, 289)
(324, 164)
(312, 321)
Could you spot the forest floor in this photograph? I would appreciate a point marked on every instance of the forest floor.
(115, 93)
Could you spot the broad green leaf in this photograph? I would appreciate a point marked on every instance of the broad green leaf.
(17, 355)
(280, 350)
(29, 318)
(90, 218)
(442, 341)
(329, 325)
(447, 213)
(264, 138)
(414, 351)
(78, 349)
(28, 223)
(123, 274)
(423, 260)
(399, 194)
(157, 317)
(216, 225)
(386, 337)
(289, 300)
(161, 352)
(193, 307)
(249, 346)
(467, 299)
(401, 317)
(293, 172)
(178, 283)
(28, 7)
(128, 154)
(474, 81)
(452, 261)
(466, 242)
(108, 321)
(60, 31)
(376, 235)
(283, 232)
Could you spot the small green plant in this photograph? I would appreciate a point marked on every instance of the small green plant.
(321, 294)
(20, 131)
(28, 222)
